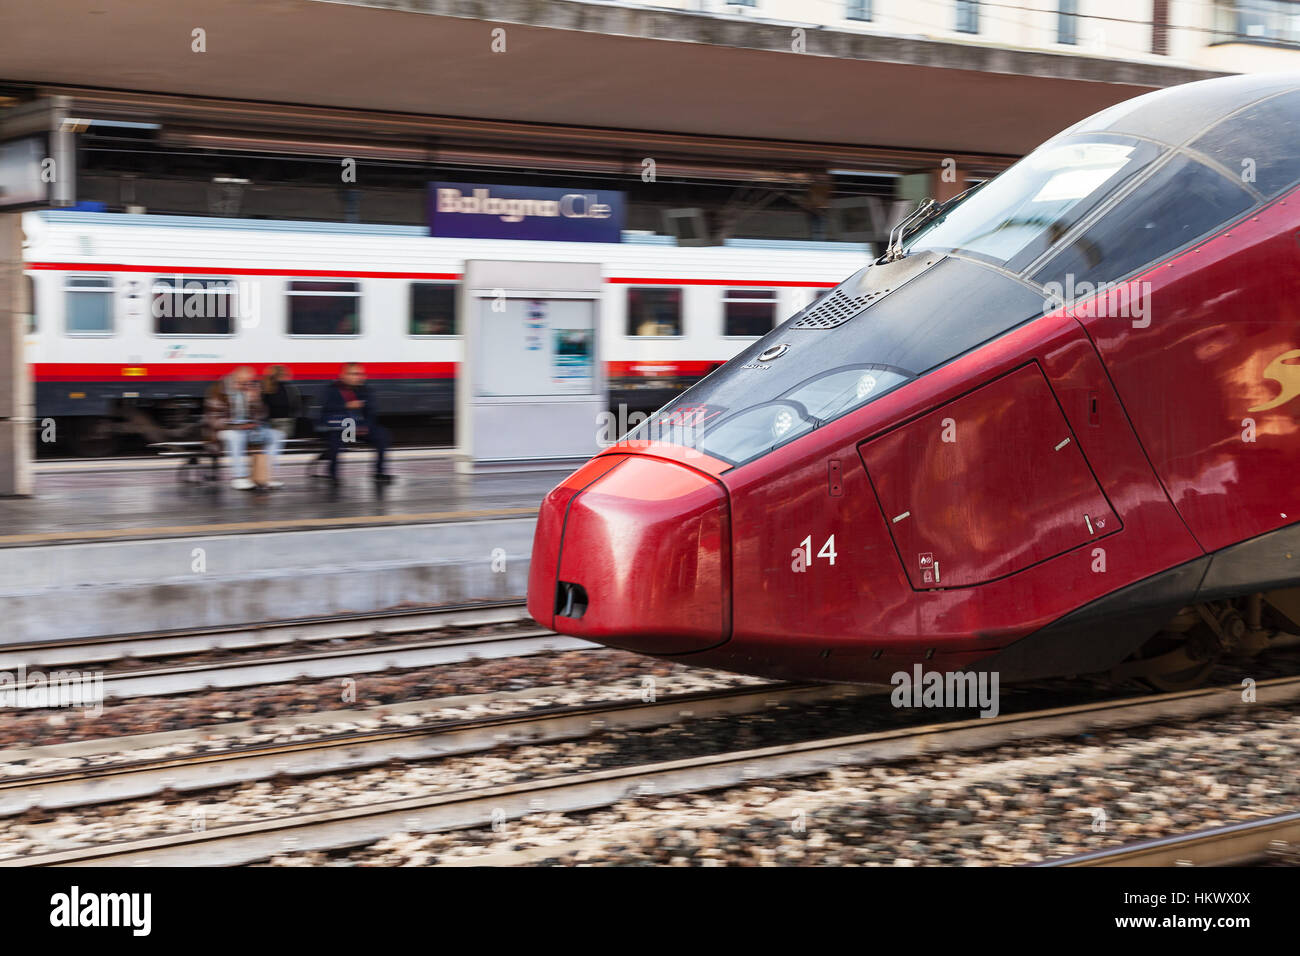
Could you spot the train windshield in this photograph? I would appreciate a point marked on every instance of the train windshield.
(741, 435)
(1015, 218)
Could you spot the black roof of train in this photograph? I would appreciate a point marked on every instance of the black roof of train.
(1179, 114)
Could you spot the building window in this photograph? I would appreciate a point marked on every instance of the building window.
(1262, 21)
(31, 305)
(433, 309)
(1067, 22)
(89, 305)
(968, 16)
(749, 312)
(655, 311)
(858, 10)
(324, 308)
(183, 306)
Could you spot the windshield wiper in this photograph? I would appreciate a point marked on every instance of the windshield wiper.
(918, 218)
(921, 215)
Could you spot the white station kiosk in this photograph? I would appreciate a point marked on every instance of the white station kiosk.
(532, 385)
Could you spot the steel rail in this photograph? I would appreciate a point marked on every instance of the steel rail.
(1231, 845)
(133, 779)
(258, 634)
(316, 665)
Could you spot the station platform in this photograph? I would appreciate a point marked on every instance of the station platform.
(143, 498)
(114, 548)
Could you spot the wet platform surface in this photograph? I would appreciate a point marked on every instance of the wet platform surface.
(118, 501)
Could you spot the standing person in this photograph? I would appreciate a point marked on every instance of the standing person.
(283, 400)
(351, 414)
(233, 414)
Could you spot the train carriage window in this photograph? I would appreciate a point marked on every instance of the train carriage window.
(749, 312)
(89, 305)
(324, 308)
(433, 309)
(654, 311)
(182, 306)
(1181, 202)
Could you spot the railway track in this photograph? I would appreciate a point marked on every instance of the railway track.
(251, 669)
(223, 675)
(251, 636)
(1232, 845)
(459, 809)
(132, 779)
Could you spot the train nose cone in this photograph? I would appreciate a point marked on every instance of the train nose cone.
(634, 552)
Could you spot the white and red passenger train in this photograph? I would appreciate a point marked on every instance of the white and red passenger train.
(134, 315)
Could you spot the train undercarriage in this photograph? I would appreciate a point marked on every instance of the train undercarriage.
(1183, 654)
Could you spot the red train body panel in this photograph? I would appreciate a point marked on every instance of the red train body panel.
(950, 462)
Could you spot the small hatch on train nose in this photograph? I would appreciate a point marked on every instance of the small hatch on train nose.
(570, 599)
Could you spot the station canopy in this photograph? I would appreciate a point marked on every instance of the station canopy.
(571, 66)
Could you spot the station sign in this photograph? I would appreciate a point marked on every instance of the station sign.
(478, 211)
(38, 155)
(25, 174)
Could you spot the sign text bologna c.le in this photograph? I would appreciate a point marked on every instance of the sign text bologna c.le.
(477, 211)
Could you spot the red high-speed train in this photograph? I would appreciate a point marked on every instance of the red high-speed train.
(1051, 431)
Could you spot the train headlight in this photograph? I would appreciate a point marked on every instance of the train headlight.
(782, 422)
(754, 431)
(830, 395)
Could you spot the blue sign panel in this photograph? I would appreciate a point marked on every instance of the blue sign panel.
(476, 211)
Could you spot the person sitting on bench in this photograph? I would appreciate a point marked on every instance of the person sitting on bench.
(350, 414)
(282, 399)
(233, 414)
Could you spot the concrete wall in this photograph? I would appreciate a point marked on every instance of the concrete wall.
(83, 590)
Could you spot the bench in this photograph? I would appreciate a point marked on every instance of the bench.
(194, 453)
